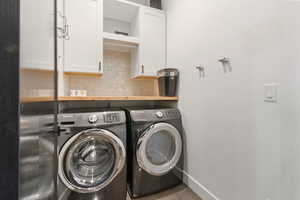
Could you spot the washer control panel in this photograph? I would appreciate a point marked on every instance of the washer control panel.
(111, 117)
(91, 119)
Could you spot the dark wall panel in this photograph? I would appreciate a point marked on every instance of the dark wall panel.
(9, 98)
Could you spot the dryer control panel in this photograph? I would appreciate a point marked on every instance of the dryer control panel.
(154, 115)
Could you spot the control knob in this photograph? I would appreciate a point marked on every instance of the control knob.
(159, 114)
(93, 119)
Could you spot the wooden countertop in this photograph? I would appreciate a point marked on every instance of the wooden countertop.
(36, 99)
(99, 98)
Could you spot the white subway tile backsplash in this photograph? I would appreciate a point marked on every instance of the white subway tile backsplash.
(116, 79)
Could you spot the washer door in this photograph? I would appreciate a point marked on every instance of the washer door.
(159, 149)
(91, 160)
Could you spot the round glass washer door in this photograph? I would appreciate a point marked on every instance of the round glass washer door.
(159, 149)
(90, 160)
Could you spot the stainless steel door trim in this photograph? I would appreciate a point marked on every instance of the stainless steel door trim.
(143, 161)
(68, 147)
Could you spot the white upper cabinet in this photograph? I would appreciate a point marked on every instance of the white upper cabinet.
(150, 55)
(37, 35)
(85, 28)
(145, 38)
(83, 42)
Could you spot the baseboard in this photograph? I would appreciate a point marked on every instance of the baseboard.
(198, 188)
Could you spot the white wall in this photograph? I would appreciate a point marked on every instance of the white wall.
(233, 136)
(290, 109)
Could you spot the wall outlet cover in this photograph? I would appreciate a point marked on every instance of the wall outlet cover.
(270, 95)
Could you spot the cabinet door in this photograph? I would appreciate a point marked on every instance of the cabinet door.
(152, 41)
(83, 46)
(37, 34)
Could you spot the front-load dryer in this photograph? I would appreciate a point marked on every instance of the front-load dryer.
(92, 156)
(154, 150)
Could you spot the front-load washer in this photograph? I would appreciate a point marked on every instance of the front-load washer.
(92, 156)
(154, 150)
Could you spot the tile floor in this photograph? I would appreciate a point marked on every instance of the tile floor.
(179, 193)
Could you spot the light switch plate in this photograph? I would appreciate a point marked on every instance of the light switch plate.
(271, 92)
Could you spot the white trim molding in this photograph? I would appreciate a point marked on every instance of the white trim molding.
(197, 187)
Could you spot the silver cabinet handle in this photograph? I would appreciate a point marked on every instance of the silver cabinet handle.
(143, 69)
(100, 66)
(67, 35)
(64, 30)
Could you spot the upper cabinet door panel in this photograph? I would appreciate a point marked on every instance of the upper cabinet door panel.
(152, 40)
(83, 45)
(37, 34)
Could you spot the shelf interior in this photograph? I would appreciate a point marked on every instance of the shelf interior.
(117, 42)
(121, 16)
(121, 10)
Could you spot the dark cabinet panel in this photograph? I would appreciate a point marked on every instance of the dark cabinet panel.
(9, 99)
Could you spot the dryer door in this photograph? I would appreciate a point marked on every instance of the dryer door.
(159, 149)
(91, 160)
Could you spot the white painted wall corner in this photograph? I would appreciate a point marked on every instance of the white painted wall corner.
(198, 188)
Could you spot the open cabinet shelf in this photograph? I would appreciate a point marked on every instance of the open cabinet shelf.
(120, 10)
(120, 16)
(122, 39)
(118, 42)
